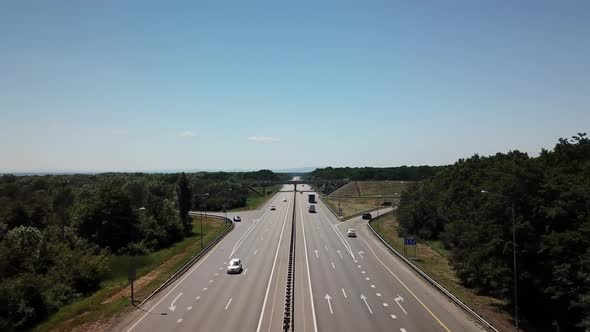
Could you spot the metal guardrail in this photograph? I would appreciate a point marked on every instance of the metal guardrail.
(192, 261)
(433, 282)
(289, 313)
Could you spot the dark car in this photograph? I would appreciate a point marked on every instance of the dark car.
(367, 216)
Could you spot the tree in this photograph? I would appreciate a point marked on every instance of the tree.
(183, 194)
(108, 219)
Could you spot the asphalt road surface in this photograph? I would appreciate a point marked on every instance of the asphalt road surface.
(341, 283)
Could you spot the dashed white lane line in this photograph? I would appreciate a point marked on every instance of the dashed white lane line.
(204, 289)
(179, 320)
(393, 317)
(210, 281)
(245, 271)
(216, 274)
(221, 268)
(372, 286)
(326, 247)
(227, 305)
(197, 298)
(402, 330)
(386, 304)
(343, 293)
(189, 308)
(363, 272)
(367, 278)
(255, 252)
(358, 266)
(378, 294)
(334, 267)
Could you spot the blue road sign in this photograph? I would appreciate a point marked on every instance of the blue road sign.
(410, 242)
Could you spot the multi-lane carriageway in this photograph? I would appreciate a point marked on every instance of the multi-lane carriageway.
(341, 283)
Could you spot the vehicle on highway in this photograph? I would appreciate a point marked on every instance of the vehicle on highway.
(272, 208)
(237, 219)
(351, 232)
(367, 216)
(235, 266)
(312, 209)
(311, 198)
(284, 199)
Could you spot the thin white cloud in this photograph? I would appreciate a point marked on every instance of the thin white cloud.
(264, 139)
(186, 133)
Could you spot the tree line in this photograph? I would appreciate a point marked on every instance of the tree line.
(551, 198)
(58, 231)
(329, 178)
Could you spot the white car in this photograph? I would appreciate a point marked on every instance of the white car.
(235, 266)
(272, 208)
(351, 232)
(284, 199)
(237, 219)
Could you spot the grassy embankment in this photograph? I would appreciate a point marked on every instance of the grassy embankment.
(368, 195)
(433, 259)
(114, 295)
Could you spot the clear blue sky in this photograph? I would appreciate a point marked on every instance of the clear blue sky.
(102, 85)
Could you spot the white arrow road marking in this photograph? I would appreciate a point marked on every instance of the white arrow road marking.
(327, 297)
(342, 239)
(334, 267)
(339, 253)
(172, 307)
(228, 302)
(343, 293)
(364, 298)
(361, 253)
(316, 254)
(398, 300)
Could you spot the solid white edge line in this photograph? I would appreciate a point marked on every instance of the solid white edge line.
(315, 323)
(272, 270)
(170, 291)
(408, 289)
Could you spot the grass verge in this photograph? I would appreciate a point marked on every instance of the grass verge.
(114, 295)
(433, 259)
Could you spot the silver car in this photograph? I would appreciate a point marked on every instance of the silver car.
(234, 266)
(351, 232)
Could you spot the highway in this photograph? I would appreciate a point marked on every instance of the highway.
(341, 283)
